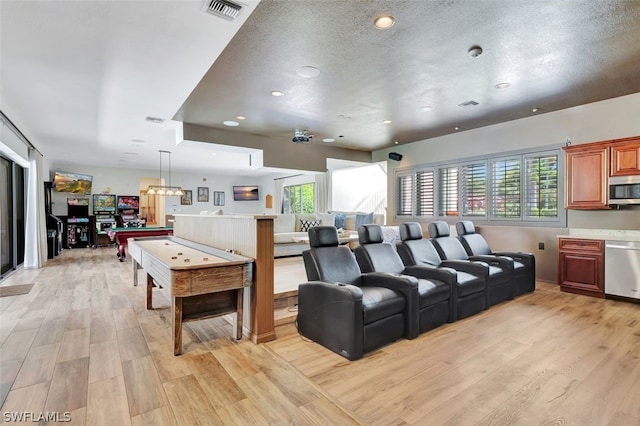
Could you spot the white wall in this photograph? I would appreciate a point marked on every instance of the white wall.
(610, 119)
(127, 182)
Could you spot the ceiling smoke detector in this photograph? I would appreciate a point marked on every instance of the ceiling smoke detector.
(225, 9)
(301, 136)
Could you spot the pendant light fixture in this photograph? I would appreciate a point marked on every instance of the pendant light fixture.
(164, 189)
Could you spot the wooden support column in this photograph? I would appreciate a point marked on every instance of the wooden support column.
(262, 309)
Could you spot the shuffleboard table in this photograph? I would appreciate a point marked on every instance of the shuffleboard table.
(202, 281)
(121, 235)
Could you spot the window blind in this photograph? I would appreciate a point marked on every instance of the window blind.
(425, 193)
(448, 191)
(541, 186)
(405, 195)
(506, 188)
(473, 188)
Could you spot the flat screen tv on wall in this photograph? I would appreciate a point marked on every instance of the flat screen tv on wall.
(104, 203)
(74, 183)
(245, 193)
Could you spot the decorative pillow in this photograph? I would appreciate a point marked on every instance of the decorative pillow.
(306, 224)
(326, 219)
(339, 220)
(364, 219)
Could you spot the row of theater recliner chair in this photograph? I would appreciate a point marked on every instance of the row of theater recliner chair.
(358, 301)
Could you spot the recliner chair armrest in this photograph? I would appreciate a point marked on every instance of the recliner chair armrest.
(503, 262)
(475, 268)
(405, 285)
(446, 275)
(526, 258)
(323, 318)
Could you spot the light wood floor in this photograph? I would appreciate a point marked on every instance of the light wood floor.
(82, 342)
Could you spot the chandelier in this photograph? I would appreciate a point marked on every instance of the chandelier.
(164, 189)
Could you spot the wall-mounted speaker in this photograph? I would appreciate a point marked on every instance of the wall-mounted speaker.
(395, 156)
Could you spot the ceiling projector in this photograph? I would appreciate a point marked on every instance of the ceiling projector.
(301, 136)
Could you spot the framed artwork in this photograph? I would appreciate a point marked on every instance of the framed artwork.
(218, 198)
(187, 198)
(203, 194)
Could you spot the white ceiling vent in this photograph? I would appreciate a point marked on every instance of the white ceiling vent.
(468, 104)
(223, 8)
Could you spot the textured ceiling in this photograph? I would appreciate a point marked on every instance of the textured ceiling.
(554, 55)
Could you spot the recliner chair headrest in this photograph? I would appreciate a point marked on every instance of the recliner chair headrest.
(410, 231)
(323, 236)
(465, 227)
(439, 228)
(370, 234)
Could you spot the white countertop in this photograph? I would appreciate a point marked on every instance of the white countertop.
(603, 234)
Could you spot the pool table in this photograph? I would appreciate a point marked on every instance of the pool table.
(121, 235)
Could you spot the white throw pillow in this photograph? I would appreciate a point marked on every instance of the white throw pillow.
(284, 223)
(326, 219)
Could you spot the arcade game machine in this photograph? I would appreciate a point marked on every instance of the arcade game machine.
(55, 227)
(79, 233)
(128, 210)
(104, 210)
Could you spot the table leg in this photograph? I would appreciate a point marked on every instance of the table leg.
(177, 325)
(149, 292)
(239, 313)
(134, 265)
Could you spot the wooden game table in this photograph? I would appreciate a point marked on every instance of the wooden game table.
(121, 235)
(202, 281)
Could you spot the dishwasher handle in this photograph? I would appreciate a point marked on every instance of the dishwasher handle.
(615, 246)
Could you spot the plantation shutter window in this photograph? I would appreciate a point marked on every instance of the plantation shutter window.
(541, 186)
(425, 193)
(506, 189)
(405, 195)
(473, 189)
(448, 191)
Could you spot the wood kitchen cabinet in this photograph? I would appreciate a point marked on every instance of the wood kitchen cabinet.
(581, 266)
(587, 176)
(625, 157)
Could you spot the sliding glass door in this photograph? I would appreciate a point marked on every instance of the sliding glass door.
(12, 215)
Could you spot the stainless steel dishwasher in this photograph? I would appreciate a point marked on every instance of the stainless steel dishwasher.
(622, 268)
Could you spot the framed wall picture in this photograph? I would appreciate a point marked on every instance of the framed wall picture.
(187, 198)
(218, 198)
(203, 194)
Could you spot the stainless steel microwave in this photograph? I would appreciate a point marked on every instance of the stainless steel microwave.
(624, 190)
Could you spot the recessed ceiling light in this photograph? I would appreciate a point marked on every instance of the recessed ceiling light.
(456, 128)
(308, 72)
(231, 123)
(387, 121)
(241, 117)
(425, 108)
(536, 109)
(383, 22)
(155, 119)
(475, 51)
(276, 93)
(396, 142)
(214, 153)
(502, 85)
(137, 141)
(130, 153)
(328, 140)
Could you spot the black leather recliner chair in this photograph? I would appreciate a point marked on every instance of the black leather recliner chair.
(524, 264)
(437, 290)
(500, 282)
(470, 278)
(349, 312)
